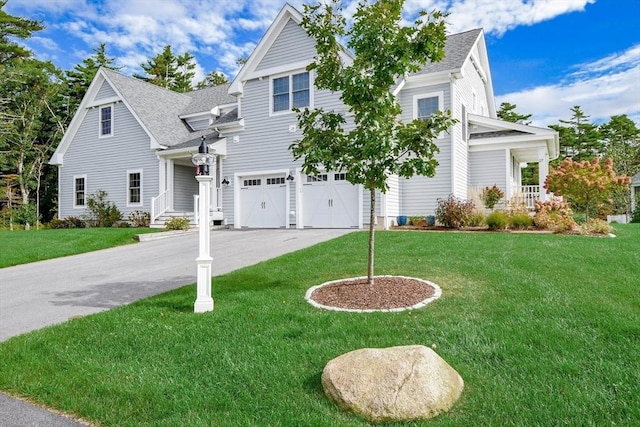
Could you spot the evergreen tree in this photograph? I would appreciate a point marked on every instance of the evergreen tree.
(622, 144)
(14, 27)
(79, 79)
(184, 73)
(507, 112)
(161, 69)
(580, 139)
(214, 78)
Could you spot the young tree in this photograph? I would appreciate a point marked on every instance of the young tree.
(214, 78)
(586, 184)
(581, 139)
(378, 144)
(507, 112)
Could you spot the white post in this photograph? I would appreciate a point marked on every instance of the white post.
(543, 171)
(204, 301)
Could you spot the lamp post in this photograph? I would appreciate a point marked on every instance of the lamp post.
(202, 160)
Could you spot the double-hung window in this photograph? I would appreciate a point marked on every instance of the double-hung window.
(425, 107)
(134, 188)
(79, 191)
(106, 120)
(290, 92)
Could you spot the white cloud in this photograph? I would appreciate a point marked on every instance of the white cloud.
(496, 17)
(603, 88)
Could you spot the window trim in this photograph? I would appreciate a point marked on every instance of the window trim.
(110, 134)
(291, 91)
(128, 187)
(74, 193)
(439, 95)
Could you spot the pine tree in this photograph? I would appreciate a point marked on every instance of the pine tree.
(214, 78)
(507, 112)
(581, 139)
(14, 27)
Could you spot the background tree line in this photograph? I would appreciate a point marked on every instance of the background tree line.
(38, 100)
(37, 103)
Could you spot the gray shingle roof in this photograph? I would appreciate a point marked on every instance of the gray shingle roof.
(159, 109)
(205, 99)
(456, 51)
(230, 117)
(496, 134)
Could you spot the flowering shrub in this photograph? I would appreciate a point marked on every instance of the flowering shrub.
(140, 218)
(491, 196)
(177, 223)
(586, 184)
(453, 212)
(554, 215)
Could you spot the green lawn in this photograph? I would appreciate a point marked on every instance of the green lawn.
(21, 247)
(544, 329)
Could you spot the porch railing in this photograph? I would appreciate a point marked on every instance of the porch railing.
(530, 194)
(196, 209)
(159, 205)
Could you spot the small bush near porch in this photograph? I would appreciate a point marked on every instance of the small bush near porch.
(544, 329)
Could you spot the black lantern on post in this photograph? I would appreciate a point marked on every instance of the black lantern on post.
(203, 159)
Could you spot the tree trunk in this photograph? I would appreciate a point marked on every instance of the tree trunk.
(372, 217)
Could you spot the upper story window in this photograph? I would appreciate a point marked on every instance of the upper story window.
(426, 104)
(292, 91)
(79, 190)
(106, 121)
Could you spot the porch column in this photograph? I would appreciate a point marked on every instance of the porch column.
(543, 171)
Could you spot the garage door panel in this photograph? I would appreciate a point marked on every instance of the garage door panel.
(263, 202)
(330, 201)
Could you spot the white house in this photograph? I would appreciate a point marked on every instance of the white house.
(135, 141)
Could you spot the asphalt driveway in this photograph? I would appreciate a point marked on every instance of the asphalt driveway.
(44, 293)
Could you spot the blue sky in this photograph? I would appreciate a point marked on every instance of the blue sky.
(546, 55)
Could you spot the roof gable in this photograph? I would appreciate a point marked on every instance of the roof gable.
(456, 51)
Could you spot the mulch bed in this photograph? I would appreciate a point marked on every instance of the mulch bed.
(388, 292)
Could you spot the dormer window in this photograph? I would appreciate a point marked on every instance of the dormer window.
(292, 91)
(106, 121)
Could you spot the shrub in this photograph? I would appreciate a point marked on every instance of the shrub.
(102, 212)
(416, 220)
(453, 212)
(555, 215)
(177, 223)
(635, 216)
(476, 219)
(520, 221)
(597, 226)
(140, 218)
(25, 214)
(497, 220)
(491, 196)
(69, 222)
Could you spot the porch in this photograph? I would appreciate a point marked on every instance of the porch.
(161, 212)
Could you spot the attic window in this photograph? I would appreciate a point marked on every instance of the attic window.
(106, 121)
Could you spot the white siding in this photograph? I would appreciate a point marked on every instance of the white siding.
(292, 45)
(488, 168)
(186, 187)
(105, 92)
(105, 161)
(419, 194)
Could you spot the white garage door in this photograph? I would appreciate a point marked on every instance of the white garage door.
(263, 202)
(330, 201)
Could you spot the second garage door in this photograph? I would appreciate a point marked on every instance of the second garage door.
(330, 201)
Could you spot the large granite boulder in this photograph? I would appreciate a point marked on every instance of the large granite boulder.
(392, 384)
